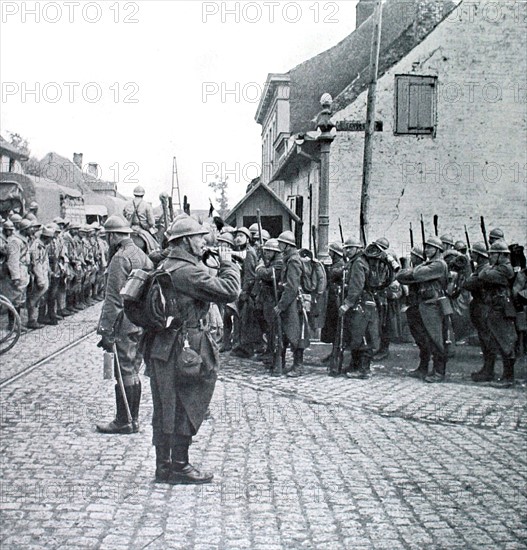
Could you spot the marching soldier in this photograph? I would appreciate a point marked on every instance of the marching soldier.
(180, 407)
(431, 278)
(497, 280)
(118, 333)
(362, 320)
(334, 277)
(413, 315)
(294, 321)
(479, 313)
(268, 273)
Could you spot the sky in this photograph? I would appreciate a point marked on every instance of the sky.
(131, 84)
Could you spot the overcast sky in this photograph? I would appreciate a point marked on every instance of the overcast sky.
(145, 90)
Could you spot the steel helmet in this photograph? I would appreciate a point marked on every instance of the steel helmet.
(436, 243)
(59, 221)
(383, 243)
(185, 226)
(337, 248)
(447, 239)
(25, 224)
(496, 233)
(287, 237)
(95, 225)
(226, 238)
(48, 231)
(499, 247)
(254, 228)
(481, 249)
(272, 245)
(227, 229)
(139, 191)
(9, 225)
(75, 225)
(243, 230)
(34, 223)
(84, 228)
(33, 205)
(16, 218)
(265, 235)
(461, 246)
(418, 251)
(351, 242)
(116, 224)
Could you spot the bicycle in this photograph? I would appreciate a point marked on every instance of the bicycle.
(10, 325)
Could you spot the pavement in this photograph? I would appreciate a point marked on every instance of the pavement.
(308, 463)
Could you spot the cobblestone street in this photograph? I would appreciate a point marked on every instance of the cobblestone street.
(314, 463)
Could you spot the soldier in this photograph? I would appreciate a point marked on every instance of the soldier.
(251, 335)
(179, 406)
(268, 274)
(362, 321)
(32, 212)
(334, 277)
(413, 316)
(431, 278)
(231, 319)
(118, 333)
(314, 283)
(17, 220)
(496, 235)
(39, 273)
(447, 242)
(294, 322)
(496, 279)
(461, 247)
(102, 247)
(479, 312)
(48, 306)
(89, 265)
(14, 285)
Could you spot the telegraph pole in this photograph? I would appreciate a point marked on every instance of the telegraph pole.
(175, 185)
(370, 123)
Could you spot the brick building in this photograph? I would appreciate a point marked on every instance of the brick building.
(451, 125)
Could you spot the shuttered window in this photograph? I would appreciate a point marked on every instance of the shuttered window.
(415, 104)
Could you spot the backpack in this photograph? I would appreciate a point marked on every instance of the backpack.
(381, 273)
(149, 299)
(313, 276)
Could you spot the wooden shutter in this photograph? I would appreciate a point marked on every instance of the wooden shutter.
(415, 104)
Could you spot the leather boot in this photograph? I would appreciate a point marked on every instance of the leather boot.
(506, 380)
(439, 371)
(134, 401)
(298, 364)
(163, 462)
(183, 473)
(354, 364)
(120, 424)
(486, 373)
(363, 371)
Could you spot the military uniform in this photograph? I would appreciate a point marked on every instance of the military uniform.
(39, 279)
(335, 274)
(115, 326)
(14, 285)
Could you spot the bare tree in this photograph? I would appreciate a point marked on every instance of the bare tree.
(220, 187)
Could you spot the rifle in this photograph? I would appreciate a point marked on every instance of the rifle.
(186, 206)
(484, 232)
(469, 247)
(341, 233)
(279, 339)
(423, 234)
(171, 209)
(436, 225)
(259, 220)
(304, 341)
(337, 356)
(411, 235)
(314, 233)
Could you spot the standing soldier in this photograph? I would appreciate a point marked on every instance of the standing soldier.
(118, 333)
(180, 406)
(294, 323)
(102, 245)
(48, 307)
(32, 212)
(447, 242)
(497, 278)
(363, 321)
(39, 271)
(334, 277)
(479, 313)
(413, 315)
(268, 274)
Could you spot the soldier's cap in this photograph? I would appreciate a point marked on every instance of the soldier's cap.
(16, 218)
(254, 228)
(499, 247)
(185, 226)
(9, 225)
(33, 206)
(351, 242)
(244, 231)
(481, 249)
(496, 233)
(139, 191)
(287, 237)
(272, 245)
(337, 248)
(34, 223)
(436, 242)
(383, 243)
(25, 224)
(226, 238)
(448, 239)
(265, 235)
(461, 245)
(116, 224)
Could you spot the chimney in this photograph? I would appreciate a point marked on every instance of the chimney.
(363, 10)
(77, 159)
(93, 169)
(429, 13)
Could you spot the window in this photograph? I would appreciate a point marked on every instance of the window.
(415, 105)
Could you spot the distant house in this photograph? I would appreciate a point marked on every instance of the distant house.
(450, 126)
(10, 157)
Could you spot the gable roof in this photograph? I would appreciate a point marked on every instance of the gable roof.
(273, 195)
(11, 151)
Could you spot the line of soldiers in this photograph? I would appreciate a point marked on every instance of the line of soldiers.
(52, 270)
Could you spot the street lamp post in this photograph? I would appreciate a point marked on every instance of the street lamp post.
(326, 137)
